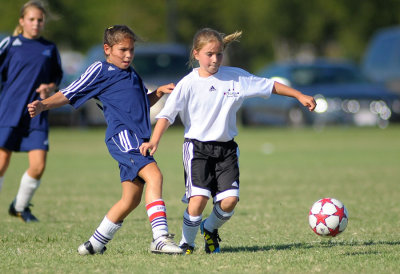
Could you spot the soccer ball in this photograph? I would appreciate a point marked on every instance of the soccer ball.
(328, 217)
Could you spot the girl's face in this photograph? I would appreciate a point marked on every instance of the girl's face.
(209, 57)
(120, 54)
(32, 23)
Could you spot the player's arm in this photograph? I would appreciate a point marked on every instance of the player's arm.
(55, 101)
(151, 146)
(305, 100)
(159, 92)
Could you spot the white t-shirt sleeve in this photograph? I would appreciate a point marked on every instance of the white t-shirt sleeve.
(254, 86)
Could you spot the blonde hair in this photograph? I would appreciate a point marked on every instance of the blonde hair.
(33, 3)
(206, 35)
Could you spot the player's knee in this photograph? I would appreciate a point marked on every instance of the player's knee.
(36, 171)
(228, 204)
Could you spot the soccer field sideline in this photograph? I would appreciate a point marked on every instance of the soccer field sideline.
(283, 172)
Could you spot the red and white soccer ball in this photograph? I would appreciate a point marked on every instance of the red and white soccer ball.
(328, 217)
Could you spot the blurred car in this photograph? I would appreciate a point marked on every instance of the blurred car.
(157, 64)
(382, 58)
(342, 94)
(381, 62)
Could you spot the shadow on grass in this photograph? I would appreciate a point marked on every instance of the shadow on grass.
(327, 244)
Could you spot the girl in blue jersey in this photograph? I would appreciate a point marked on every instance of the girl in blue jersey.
(126, 106)
(30, 69)
(207, 100)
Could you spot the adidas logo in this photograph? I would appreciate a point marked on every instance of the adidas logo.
(46, 52)
(212, 88)
(110, 68)
(17, 42)
(235, 184)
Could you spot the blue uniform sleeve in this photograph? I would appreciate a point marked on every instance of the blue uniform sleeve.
(86, 87)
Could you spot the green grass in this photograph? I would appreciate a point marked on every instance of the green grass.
(283, 172)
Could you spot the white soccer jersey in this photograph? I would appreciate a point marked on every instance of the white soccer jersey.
(208, 106)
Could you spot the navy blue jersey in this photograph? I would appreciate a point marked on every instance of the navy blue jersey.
(24, 65)
(122, 94)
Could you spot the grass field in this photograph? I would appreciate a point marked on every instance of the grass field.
(283, 172)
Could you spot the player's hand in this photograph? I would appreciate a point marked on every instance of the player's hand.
(148, 148)
(308, 101)
(35, 108)
(166, 89)
(45, 90)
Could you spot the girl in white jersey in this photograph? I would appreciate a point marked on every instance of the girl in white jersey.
(207, 100)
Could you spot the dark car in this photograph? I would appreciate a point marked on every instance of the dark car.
(157, 64)
(343, 97)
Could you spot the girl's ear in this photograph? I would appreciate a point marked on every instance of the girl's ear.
(107, 49)
(196, 54)
(21, 22)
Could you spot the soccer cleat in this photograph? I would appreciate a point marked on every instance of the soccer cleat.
(165, 245)
(87, 249)
(187, 249)
(211, 239)
(25, 215)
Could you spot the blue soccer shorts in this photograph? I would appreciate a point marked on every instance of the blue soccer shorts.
(124, 148)
(23, 140)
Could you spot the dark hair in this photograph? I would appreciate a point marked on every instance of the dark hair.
(115, 34)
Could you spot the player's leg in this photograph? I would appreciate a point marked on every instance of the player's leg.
(130, 199)
(156, 211)
(8, 141)
(5, 156)
(30, 182)
(226, 198)
(221, 213)
(35, 142)
(192, 218)
(198, 178)
(112, 222)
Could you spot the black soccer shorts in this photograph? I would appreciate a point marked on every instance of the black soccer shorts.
(211, 169)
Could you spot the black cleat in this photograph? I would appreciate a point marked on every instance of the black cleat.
(211, 239)
(25, 215)
(187, 249)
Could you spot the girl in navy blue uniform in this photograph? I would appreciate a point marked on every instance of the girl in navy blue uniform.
(126, 106)
(30, 69)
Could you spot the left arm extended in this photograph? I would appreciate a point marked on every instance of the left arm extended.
(305, 100)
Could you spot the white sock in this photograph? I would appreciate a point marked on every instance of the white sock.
(157, 213)
(1, 182)
(190, 227)
(217, 218)
(103, 234)
(25, 193)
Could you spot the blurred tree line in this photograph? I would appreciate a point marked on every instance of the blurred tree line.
(272, 29)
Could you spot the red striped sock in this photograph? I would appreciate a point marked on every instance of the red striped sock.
(158, 218)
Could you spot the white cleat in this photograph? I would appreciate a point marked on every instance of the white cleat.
(165, 245)
(87, 249)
